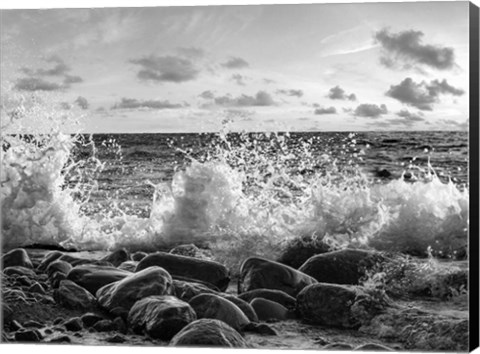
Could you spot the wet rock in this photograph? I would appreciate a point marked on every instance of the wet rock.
(208, 333)
(20, 271)
(61, 339)
(89, 319)
(260, 328)
(186, 290)
(7, 313)
(216, 307)
(73, 296)
(299, 250)
(32, 335)
(17, 257)
(119, 312)
(14, 325)
(246, 308)
(138, 256)
(76, 261)
(259, 273)
(328, 304)
(338, 346)
(117, 338)
(56, 279)
(129, 266)
(345, 266)
(268, 310)
(273, 295)
(161, 317)
(23, 281)
(104, 326)
(58, 266)
(74, 324)
(124, 293)
(47, 300)
(93, 277)
(36, 288)
(32, 324)
(373, 347)
(49, 258)
(120, 325)
(117, 257)
(189, 267)
(58, 320)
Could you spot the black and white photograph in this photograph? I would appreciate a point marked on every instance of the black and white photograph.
(259, 176)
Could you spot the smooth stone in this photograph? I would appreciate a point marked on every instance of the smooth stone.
(58, 266)
(345, 266)
(16, 257)
(49, 258)
(138, 256)
(60, 339)
(208, 333)
(373, 347)
(216, 307)
(246, 308)
(47, 300)
(273, 295)
(161, 317)
(89, 319)
(186, 290)
(268, 310)
(33, 335)
(73, 296)
(20, 271)
(338, 346)
(74, 324)
(124, 293)
(23, 280)
(104, 326)
(15, 325)
(189, 267)
(117, 338)
(120, 325)
(117, 257)
(32, 324)
(328, 305)
(260, 328)
(259, 273)
(58, 320)
(129, 266)
(299, 250)
(93, 277)
(76, 261)
(36, 288)
(56, 279)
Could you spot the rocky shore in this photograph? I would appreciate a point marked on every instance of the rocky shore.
(334, 300)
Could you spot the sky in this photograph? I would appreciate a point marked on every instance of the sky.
(321, 67)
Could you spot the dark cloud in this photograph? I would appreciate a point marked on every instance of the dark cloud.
(72, 79)
(407, 118)
(239, 79)
(407, 47)
(262, 98)
(291, 92)
(370, 110)
(132, 103)
(82, 102)
(208, 95)
(269, 81)
(329, 110)
(337, 93)
(36, 84)
(191, 52)
(454, 125)
(59, 69)
(235, 63)
(166, 69)
(421, 95)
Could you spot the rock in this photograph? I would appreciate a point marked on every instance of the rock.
(208, 333)
(260, 328)
(56, 278)
(120, 325)
(129, 266)
(74, 324)
(345, 266)
(161, 317)
(138, 256)
(299, 250)
(73, 296)
(23, 281)
(268, 310)
(7, 313)
(76, 261)
(259, 273)
(117, 257)
(246, 308)
(37, 289)
(49, 258)
(16, 257)
(274, 295)
(124, 293)
(216, 307)
(93, 277)
(338, 346)
(373, 347)
(328, 305)
(32, 324)
(58, 266)
(14, 325)
(61, 339)
(31, 335)
(58, 320)
(188, 267)
(89, 319)
(47, 300)
(186, 290)
(104, 326)
(117, 338)
(190, 250)
(19, 270)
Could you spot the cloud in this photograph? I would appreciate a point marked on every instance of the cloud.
(132, 103)
(235, 63)
(337, 93)
(269, 81)
(329, 110)
(239, 79)
(262, 98)
(36, 84)
(407, 118)
(82, 102)
(407, 47)
(191, 52)
(166, 69)
(208, 95)
(452, 124)
(370, 110)
(421, 95)
(72, 79)
(59, 69)
(291, 92)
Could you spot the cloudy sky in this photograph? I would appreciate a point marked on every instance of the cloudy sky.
(371, 66)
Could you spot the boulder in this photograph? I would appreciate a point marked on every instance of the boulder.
(73, 296)
(37, 289)
(138, 256)
(268, 310)
(208, 333)
(186, 290)
(124, 293)
(259, 273)
(129, 266)
(274, 295)
(30, 335)
(216, 307)
(49, 258)
(117, 257)
(328, 305)
(188, 267)
(16, 257)
(19, 271)
(298, 250)
(345, 266)
(89, 319)
(56, 278)
(161, 317)
(76, 261)
(74, 324)
(104, 326)
(93, 277)
(246, 308)
(58, 266)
